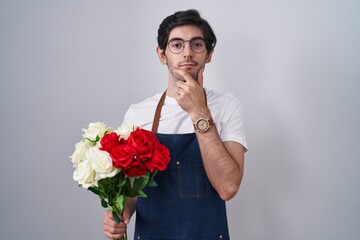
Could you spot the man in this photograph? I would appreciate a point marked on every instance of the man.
(204, 133)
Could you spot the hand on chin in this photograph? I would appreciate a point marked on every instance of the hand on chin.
(190, 70)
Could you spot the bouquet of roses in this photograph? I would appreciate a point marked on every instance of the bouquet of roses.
(118, 164)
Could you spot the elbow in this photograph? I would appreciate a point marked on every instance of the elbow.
(229, 192)
(228, 188)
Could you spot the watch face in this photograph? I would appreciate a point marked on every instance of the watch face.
(202, 125)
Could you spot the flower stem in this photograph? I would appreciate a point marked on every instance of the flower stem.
(124, 237)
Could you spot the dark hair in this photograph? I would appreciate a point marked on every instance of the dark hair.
(181, 18)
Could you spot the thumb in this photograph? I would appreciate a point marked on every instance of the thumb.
(200, 78)
(126, 216)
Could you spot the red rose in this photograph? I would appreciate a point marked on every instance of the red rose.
(135, 170)
(109, 141)
(143, 141)
(123, 155)
(159, 160)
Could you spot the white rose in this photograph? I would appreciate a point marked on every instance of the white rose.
(85, 175)
(125, 129)
(101, 162)
(79, 153)
(95, 129)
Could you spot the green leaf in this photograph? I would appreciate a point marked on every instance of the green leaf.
(93, 142)
(120, 202)
(152, 183)
(141, 182)
(116, 217)
(138, 183)
(104, 204)
(110, 199)
(132, 180)
(122, 183)
(95, 190)
(130, 192)
(142, 194)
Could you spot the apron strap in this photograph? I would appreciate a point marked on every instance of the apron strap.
(156, 120)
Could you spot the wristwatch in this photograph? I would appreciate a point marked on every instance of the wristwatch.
(202, 124)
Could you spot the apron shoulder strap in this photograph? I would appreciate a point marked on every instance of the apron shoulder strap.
(156, 120)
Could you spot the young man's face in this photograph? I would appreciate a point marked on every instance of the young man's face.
(187, 59)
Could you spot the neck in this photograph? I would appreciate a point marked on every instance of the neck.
(170, 93)
(172, 87)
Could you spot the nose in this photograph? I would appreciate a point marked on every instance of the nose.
(187, 52)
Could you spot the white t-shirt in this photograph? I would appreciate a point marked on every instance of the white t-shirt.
(225, 109)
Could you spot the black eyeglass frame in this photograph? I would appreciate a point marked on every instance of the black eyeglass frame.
(184, 41)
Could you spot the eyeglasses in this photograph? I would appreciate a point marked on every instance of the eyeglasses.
(177, 45)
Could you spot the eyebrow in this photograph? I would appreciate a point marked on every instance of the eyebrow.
(194, 38)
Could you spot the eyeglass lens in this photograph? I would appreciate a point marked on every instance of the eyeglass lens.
(177, 45)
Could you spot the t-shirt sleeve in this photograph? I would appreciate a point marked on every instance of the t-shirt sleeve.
(139, 115)
(128, 117)
(232, 127)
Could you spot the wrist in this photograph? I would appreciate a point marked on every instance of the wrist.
(202, 125)
(203, 113)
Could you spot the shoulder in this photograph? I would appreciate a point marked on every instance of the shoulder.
(148, 102)
(141, 113)
(223, 100)
(226, 110)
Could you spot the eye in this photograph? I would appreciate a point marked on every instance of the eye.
(176, 44)
(198, 43)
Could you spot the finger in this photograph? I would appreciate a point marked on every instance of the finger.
(109, 216)
(114, 232)
(113, 236)
(115, 229)
(200, 79)
(109, 220)
(112, 223)
(126, 216)
(186, 75)
(182, 86)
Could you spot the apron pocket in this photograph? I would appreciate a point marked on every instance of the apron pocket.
(192, 179)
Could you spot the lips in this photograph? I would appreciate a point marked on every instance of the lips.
(188, 65)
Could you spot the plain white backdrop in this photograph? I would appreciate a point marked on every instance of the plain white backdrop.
(295, 65)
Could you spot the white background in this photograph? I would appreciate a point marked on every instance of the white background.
(295, 65)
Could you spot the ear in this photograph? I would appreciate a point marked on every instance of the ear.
(209, 55)
(161, 55)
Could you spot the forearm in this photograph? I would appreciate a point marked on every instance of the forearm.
(223, 162)
(223, 171)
